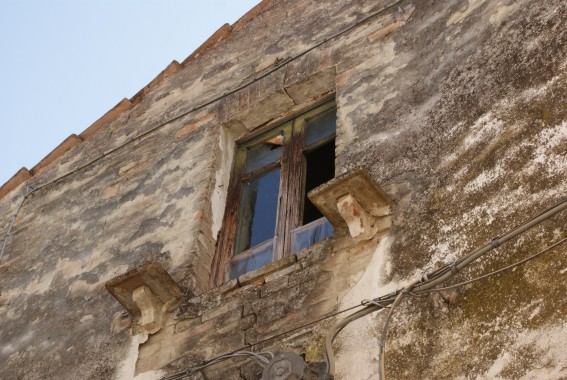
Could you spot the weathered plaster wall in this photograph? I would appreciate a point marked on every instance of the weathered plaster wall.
(474, 126)
(460, 113)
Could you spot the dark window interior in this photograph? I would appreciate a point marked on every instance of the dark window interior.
(320, 163)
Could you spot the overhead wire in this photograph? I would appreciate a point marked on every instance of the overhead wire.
(498, 271)
(430, 281)
(382, 342)
(262, 358)
(14, 217)
(241, 349)
(387, 302)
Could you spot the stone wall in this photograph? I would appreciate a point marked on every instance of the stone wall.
(458, 109)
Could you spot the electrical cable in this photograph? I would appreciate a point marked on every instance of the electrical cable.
(429, 281)
(377, 304)
(498, 271)
(494, 243)
(315, 321)
(11, 224)
(150, 131)
(382, 342)
(259, 358)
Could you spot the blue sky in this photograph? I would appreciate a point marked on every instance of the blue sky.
(64, 63)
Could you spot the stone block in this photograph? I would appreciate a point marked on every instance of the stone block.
(245, 293)
(269, 108)
(311, 76)
(315, 253)
(287, 322)
(224, 307)
(128, 289)
(282, 272)
(187, 324)
(260, 273)
(273, 286)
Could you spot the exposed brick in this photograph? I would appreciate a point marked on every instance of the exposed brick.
(65, 146)
(224, 307)
(171, 69)
(195, 123)
(187, 324)
(262, 7)
(282, 272)
(107, 118)
(17, 179)
(385, 31)
(221, 33)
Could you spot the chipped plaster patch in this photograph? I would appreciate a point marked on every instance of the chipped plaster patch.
(359, 338)
(42, 285)
(128, 368)
(496, 367)
(79, 287)
(558, 372)
(87, 318)
(460, 16)
(485, 129)
(383, 100)
(16, 344)
(383, 58)
(536, 92)
(502, 11)
(222, 177)
(69, 268)
(450, 246)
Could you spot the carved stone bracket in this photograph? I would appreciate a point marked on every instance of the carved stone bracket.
(355, 202)
(148, 293)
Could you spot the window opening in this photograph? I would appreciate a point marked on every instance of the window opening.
(268, 214)
(258, 210)
(320, 168)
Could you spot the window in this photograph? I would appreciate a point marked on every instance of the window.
(268, 214)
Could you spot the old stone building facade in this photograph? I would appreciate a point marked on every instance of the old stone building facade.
(177, 229)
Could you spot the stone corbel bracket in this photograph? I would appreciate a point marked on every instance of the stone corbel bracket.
(355, 202)
(148, 293)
